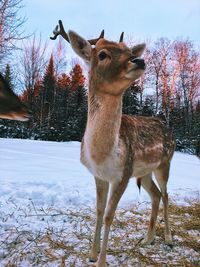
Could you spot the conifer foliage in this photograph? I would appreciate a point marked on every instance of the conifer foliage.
(58, 99)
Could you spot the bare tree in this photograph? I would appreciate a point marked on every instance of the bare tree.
(156, 63)
(164, 70)
(188, 60)
(59, 55)
(146, 77)
(167, 77)
(32, 66)
(11, 23)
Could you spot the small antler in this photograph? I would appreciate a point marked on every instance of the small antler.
(94, 41)
(59, 30)
(121, 37)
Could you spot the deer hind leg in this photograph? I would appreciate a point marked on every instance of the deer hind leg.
(102, 193)
(155, 195)
(117, 190)
(162, 175)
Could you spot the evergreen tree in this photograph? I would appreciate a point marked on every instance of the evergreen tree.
(148, 107)
(48, 92)
(77, 77)
(130, 101)
(78, 112)
(8, 76)
(62, 97)
(196, 120)
(62, 107)
(64, 81)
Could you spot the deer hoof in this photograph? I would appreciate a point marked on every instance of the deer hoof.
(100, 265)
(168, 239)
(147, 241)
(92, 259)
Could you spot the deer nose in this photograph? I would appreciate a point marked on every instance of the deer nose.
(139, 62)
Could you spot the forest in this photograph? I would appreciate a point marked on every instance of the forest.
(55, 87)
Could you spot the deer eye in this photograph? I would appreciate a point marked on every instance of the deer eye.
(102, 55)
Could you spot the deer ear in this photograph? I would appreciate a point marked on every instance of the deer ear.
(137, 50)
(81, 46)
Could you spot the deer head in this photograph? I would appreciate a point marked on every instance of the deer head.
(11, 107)
(113, 67)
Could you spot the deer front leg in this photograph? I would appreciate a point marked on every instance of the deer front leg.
(117, 190)
(102, 193)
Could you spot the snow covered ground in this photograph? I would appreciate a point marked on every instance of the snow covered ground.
(47, 212)
(50, 173)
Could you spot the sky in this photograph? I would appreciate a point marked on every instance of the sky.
(143, 19)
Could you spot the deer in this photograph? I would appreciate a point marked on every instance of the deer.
(11, 107)
(117, 147)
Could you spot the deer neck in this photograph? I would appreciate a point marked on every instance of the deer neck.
(103, 124)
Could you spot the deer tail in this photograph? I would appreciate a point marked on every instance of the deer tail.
(139, 183)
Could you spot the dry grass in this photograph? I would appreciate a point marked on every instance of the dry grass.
(49, 237)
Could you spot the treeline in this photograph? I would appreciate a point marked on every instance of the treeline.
(174, 75)
(58, 105)
(169, 88)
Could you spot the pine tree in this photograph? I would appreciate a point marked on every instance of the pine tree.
(62, 106)
(62, 99)
(130, 101)
(77, 113)
(197, 120)
(48, 92)
(8, 76)
(77, 104)
(64, 81)
(77, 77)
(148, 107)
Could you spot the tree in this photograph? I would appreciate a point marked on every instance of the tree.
(130, 101)
(32, 64)
(148, 107)
(48, 92)
(145, 78)
(8, 76)
(59, 55)
(188, 61)
(77, 113)
(11, 23)
(77, 77)
(156, 62)
(196, 120)
(62, 102)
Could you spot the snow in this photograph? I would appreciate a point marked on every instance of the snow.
(47, 198)
(50, 173)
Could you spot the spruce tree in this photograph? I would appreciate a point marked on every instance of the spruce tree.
(8, 76)
(77, 108)
(48, 93)
(77, 77)
(77, 113)
(148, 107)
(62, 106)
(130, 101)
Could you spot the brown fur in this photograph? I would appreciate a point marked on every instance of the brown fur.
(145, 133)
(103, 138)
(117, 147)
(11, 107)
